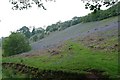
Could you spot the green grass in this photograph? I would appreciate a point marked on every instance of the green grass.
(0, 62)
(76, 60)
(10, 74)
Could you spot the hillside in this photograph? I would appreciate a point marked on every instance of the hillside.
(38, 34)
(104, 28)
(86, 50)
(71, 50)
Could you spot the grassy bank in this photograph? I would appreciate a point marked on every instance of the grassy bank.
(72, 57)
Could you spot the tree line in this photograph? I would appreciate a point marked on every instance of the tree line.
(102, 14)
(94, 16)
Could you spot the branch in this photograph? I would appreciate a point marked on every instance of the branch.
(26, 4)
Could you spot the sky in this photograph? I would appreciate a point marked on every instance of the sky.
(61, 10)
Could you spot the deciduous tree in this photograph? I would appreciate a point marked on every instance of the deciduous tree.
(16, 43)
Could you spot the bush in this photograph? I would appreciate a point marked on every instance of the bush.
(16, 43)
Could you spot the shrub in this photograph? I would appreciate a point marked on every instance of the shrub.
(16, 43)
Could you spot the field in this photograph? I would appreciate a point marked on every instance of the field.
(78, 49)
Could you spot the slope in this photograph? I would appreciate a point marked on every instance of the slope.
(71, 51)
(109, 26)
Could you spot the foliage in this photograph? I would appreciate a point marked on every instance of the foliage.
(37, 34)
(39, 30)
(26, 4)
(16, 43)
(75, 20)
(35, 38)
(25, 30)
(33, 31)
(62, 25)
(94, 6)
(102, 14)
(97, 4)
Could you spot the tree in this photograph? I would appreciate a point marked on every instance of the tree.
(16, 43)
(102, 14)
(94, 6)
(39, 30)
(75, 20)
(33, 31)
(26, 4)
(25, 30)
(97, 4)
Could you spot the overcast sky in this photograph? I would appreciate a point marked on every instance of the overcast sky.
(11, 20)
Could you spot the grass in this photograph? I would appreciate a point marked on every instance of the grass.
(77, 59)
(10, 74)
(0, 62)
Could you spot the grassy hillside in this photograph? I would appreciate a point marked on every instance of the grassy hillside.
(38, 34)
(80, 48)
(109, 26)
(72, 57)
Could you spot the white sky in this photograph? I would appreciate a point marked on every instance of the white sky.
(11, 20)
